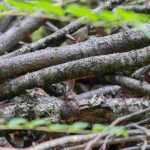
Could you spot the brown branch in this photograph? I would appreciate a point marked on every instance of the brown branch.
(76, 69)
(95, 46)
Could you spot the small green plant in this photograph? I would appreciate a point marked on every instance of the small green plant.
(77, 127)
(55, 10)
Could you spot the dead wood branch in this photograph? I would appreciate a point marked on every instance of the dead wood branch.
(5, 23)
(118, 106)
(138, 8)
(17, 33)
(132, 84)
(36, 103)
(76, 69)
(113, 3)
(136, 147)
(106, 90)
(50, 40)
(53, 28)
(62, 141)
(32, 101)
(95, 46)
(130, 116)
(132, 139)
(8, 148)
(141, 73)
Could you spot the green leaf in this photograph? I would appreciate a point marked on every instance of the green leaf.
(48, 8)
(78, 126)
(38, 122)
(131, 17)
(38, 34)
(58, 127)
(15, 122)
(98, 128)
(79, 11)
(21, 5)
(118, 131)
(2, 7)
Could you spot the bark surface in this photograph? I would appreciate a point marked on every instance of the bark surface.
(76, 69)
(120, 42)
(50, 40)
(132, 84)
(18, 32)
(36, 103)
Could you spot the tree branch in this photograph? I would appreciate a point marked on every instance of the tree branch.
(141, 73)
(103, 91)
(36, 103)
(76, 69)
(5, 23)
(138, 8)
(130, 83)
(17, 33)
(51, 56)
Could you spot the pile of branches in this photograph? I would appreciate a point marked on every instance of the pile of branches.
(76, 72)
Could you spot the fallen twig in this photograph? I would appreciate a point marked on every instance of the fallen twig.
(130, 83)
(113, 141)
(17, 33)
(138, 8)
(62, 141)
(5, 23)
(141, 73)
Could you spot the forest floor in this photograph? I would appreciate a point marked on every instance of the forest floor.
(90, 82)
